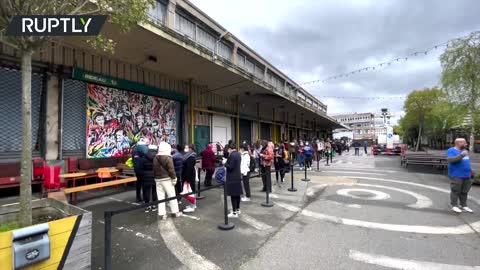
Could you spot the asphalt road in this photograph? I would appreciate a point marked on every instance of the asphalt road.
(360, 213)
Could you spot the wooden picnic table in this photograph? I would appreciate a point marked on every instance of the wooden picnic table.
(73, 177)
(110, 170)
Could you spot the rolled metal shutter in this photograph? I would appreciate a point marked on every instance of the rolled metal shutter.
(11, 120)
(74, 118)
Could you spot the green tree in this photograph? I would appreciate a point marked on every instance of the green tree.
(461, 75)
(419, 104)
(125, 14)
(443, 117)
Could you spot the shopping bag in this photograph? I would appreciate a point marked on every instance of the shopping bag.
(220, 175)
(188, 189)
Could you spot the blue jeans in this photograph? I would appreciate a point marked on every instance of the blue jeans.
(301, 160)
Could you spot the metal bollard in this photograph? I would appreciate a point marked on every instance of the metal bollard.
(225, 226)
(305, 179)
(108, 240)
(318, 164)
(291, 189)
(199, 197)
(267, 202)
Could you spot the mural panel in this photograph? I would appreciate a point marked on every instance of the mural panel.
(117, 119)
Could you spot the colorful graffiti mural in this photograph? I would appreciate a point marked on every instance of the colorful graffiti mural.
(117, 119)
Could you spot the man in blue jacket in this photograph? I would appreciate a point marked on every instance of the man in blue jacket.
(138, 153)
(177, 157)
(459, 171)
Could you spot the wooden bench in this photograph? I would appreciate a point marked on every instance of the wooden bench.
(436, 161)
(73, 190)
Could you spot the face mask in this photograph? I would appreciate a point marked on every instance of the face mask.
(463, 148)
(186, 149)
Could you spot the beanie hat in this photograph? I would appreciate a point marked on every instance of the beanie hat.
(164, 149)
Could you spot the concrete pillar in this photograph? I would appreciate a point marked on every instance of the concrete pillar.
(52, 118)
(170, 19)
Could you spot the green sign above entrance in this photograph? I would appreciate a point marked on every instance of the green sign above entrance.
(83, 75)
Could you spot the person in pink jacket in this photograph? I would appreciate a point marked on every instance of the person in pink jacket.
(267, 162)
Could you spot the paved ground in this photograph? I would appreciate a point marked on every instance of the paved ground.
(360, 213)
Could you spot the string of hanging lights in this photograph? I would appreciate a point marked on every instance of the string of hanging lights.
(388, 63)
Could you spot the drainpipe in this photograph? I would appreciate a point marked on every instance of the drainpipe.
(60, 115)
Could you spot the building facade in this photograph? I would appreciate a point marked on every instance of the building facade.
(185, 79)
(361, 125)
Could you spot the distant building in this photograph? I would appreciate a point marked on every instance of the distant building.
(362, 125)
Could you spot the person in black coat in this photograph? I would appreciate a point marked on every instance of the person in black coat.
(234, 179)
(188, 172)
(138, 154)
(149, 186)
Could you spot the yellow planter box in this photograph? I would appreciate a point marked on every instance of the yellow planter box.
(70, 238)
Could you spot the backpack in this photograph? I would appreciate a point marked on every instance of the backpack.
(220, 175)
(286, 155)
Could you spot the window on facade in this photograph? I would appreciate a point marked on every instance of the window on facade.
(205, 39)
(157, 12)
(259, 71)
(185, 26)
(225, 51)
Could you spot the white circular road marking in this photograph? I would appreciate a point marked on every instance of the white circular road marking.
(460, 229)
(377, 195)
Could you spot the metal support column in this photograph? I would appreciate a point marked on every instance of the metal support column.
(259, 136)
(192, 112)
(237, 129)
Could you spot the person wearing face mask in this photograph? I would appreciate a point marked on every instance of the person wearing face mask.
(459, 172)
(234, 179)
(188, 172)
(279, 163)
(308, 151)
(301, 155)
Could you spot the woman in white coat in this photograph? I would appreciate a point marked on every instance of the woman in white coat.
(245, 171)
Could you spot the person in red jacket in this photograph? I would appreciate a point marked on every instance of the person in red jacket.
(208, 164)
(267, 162)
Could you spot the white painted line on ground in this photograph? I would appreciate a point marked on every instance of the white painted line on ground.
(378, 195)
(118, 200)
(288, 207)
(477, 201)
(137, 234)
(182, 249)
(191, 217)
(347, 172)
(403, 263)
(254, 222)
(461, 229)
(422, 201)
(365, 169)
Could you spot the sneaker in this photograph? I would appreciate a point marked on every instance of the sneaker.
(239, 212)
(467, 209)
(456, 209)
(245, 199)
(154, 208)
(233, 215)
(189, 210)
(148, 209)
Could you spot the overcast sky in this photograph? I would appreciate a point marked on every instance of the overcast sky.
(314, 39)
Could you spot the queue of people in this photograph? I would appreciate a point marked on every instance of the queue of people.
(170, 170)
